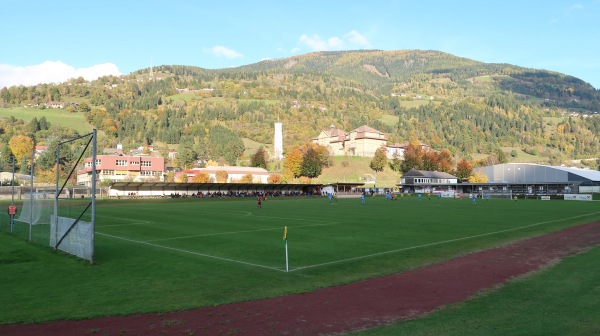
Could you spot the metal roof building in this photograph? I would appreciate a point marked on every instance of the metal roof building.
(509, 178)
(575, 179)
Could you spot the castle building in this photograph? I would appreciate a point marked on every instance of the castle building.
(362, 141)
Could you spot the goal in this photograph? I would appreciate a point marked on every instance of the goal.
(37, 208)
(72, 225)
(506, 194)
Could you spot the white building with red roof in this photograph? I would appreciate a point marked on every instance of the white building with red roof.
(234, 173)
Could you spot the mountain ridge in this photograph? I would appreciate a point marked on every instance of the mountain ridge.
(470, 107)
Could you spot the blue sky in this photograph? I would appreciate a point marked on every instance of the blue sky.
(51, 41)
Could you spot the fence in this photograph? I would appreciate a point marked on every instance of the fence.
(6, 192)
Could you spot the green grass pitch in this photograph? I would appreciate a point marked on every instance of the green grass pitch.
(171, 254)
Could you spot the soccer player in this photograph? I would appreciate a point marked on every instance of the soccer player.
(474, 199)
(419, 197)
(259, 204)
(515, 198)
(362, 198)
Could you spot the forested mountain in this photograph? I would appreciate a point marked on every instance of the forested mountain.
(469, 107)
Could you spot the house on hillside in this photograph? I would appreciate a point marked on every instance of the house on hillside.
(398, 149)
(55, 104)
(39, 150)
(362, 141)
(334, 139)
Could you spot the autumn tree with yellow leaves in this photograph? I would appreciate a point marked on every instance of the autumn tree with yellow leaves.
(21, 145)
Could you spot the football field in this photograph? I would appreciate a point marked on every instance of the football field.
(170, 254)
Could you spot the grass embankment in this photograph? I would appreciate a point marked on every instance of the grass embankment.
(561, 300)
(355, 170)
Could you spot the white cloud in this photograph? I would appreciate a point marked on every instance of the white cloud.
(51, 72)
(351, 40)
(358, 39)
(221, 51)
(314, 42)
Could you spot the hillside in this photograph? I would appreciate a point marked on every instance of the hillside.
(356, 170)
(469, 107)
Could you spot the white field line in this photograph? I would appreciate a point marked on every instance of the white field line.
(191, 252)
(131, 221)
(437, 243)
(236, 232)
(234, 212)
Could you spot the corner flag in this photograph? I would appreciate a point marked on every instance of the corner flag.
(287, 267)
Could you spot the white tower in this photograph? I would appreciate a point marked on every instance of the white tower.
(278, 142)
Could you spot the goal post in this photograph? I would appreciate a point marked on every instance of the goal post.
(72, 227)
(498, 194)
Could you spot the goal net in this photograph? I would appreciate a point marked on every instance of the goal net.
(37, 209)
(505, 194)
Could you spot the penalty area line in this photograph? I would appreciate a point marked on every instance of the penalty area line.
(191, 252)
(437, 243)
(244, 231)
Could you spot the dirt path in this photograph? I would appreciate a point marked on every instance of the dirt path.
(358, 305)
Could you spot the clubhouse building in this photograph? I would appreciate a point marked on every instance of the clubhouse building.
(510, 178)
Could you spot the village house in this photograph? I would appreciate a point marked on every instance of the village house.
(55, 104)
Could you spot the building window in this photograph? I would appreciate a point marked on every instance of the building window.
(147, 173)
(133, 163)
(146, 163)
(108, 172)
(98, 162)
(121, 162)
